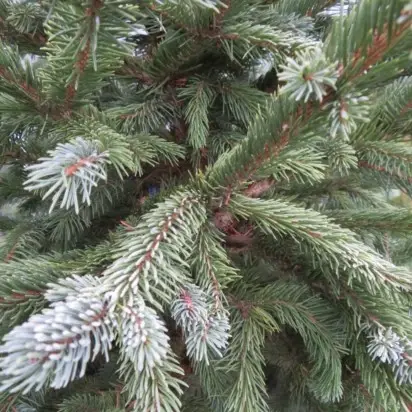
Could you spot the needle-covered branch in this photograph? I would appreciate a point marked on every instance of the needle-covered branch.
(23, 284)
(292, 304)
(87, 35)
(70, 172)
(396, 220)
(205, 329)
(55, 345)
(325, 239)
(370, 31)
(151, 258)
(265, 140)
(211, 266)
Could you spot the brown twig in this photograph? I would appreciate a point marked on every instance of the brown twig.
(29, 90)
(20, 296)
(162, 234)
(380, 45)
(82, 58)
(72, 169)
(366, 165)
(7, 31)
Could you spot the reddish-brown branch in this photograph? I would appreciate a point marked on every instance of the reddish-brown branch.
(20, 296)
(273, 149)
(408, 358)
(315, 234)
(407, 159)
(10, 255)
(368, 315)
(353, 295)
(128, 70)
(7, 31)
(406, 108)
(128, 116)
(161, 235)
(55, 112)
(256, 189)
(137, 318)
(270, 150)
(237, 250)
(10, 400)
(366, 165)
(80, 65)
(210, 33)
(118, 391)
(82, 58)
(218, 18)
(386, 246)
(380, 45)
(187, 298)
(22, 85)
(35, 95)
(365, 392)
(128, 227)
(72, 169)
(224, 220)
(375, 51)
(243, 306)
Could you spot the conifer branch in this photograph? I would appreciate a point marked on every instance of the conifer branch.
(211, 266)
(291, 303)
(23, 240)
(381, 43)
(246, 359)
(391, 219)
(278, 218)
(205, 328)
(27, 283)
(23, 284)
(39, 349)
(395, 155)
(90, 402)
(26, 89)
(83, 55)
(144, 342)
(395, 101)
(148, 261)
(248, 156)
(7, 31)
(365, 164)
(398, 179)
(70, 288)
(75, 166)
(376, 36)
(164, 383)
(200, 97)
(89, 28)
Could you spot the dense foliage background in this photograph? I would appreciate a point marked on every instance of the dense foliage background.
(197, 205)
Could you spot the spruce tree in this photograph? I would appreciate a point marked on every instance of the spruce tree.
(196, 205)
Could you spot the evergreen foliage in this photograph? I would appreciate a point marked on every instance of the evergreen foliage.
(196, 208)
